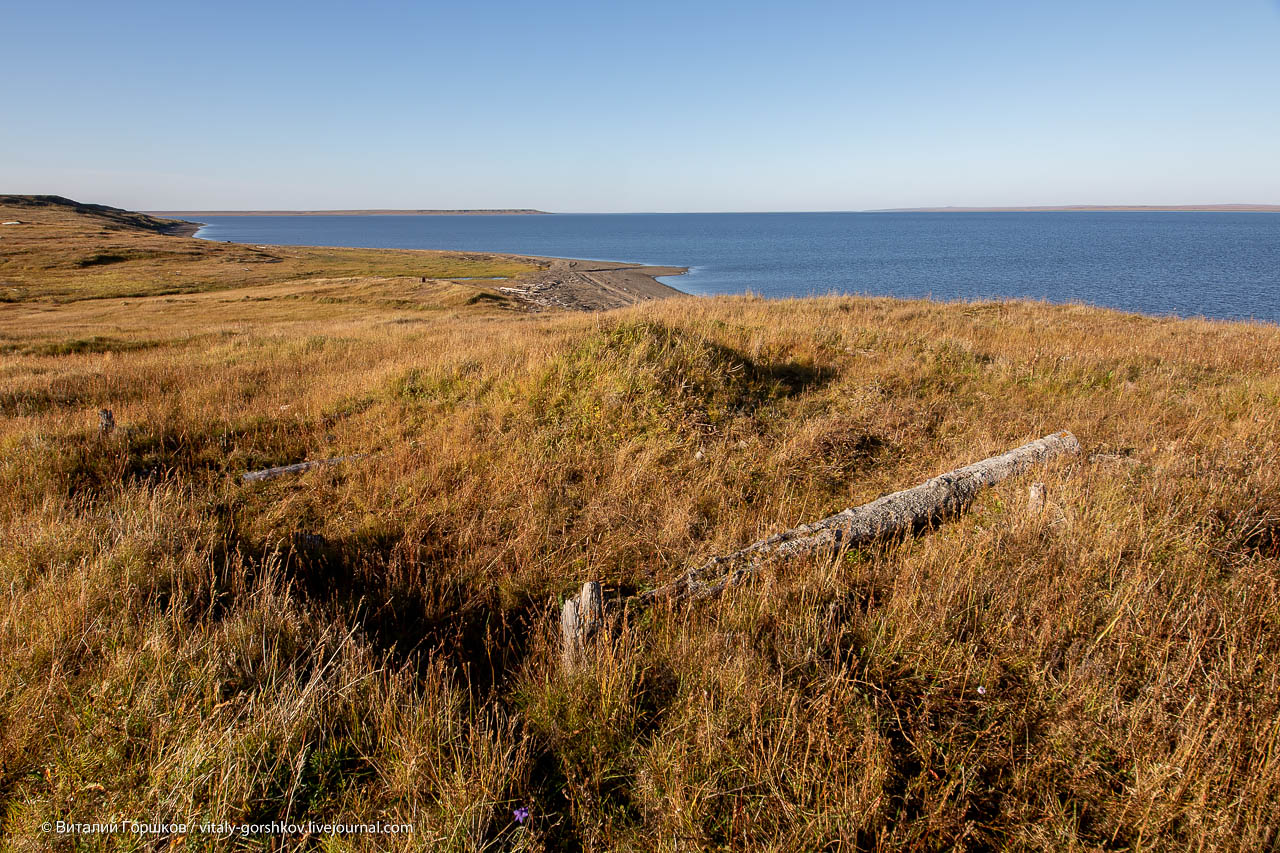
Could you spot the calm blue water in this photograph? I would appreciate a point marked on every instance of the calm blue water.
(1212, 264)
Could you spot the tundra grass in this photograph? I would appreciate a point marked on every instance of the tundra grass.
(374, 641)
(62, 254)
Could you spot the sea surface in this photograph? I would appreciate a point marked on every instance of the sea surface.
(1224, 265)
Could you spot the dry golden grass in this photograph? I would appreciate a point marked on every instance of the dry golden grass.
(373, 641)
(64, 254)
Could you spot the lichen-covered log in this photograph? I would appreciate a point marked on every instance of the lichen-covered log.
(298, 468)
(898, 512)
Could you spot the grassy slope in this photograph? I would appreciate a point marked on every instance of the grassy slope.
(68, 252)
(372, 641)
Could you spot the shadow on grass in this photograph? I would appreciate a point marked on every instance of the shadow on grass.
(396, 593)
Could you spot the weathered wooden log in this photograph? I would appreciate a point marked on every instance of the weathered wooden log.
(582, 616)
(580, 619)
(298, 468)
(898, 512)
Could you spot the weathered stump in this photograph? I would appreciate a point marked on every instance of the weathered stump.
(581, 619)
(106, 423)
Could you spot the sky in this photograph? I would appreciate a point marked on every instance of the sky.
(606, 106)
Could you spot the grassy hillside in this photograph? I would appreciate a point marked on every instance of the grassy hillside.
(68, 252)
(373, 641)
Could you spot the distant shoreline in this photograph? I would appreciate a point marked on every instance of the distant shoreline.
(1067, 208)
(575, 284)
(1082, 208)
(388, 212)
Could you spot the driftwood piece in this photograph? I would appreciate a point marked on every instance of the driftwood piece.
(298, 468)
(898, 512)
(582, 616)
(580, 620)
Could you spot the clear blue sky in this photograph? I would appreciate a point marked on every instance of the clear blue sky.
(664, 106)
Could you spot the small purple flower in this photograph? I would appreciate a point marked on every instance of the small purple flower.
(982, 691)
(521, 814)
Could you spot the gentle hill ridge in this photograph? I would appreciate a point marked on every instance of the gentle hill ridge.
(113, 216)
(515, 211)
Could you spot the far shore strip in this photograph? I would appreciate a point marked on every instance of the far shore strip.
(1096, 208)
(387, 212)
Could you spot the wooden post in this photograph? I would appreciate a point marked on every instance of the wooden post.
(106, 423)
(580, 620)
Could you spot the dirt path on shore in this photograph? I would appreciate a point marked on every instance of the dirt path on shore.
(591, 285)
